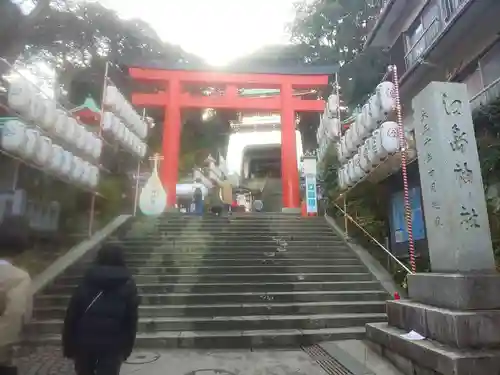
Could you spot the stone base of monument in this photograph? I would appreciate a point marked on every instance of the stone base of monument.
(459, 315)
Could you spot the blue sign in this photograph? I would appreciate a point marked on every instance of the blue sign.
(399, 232)
(311, 195)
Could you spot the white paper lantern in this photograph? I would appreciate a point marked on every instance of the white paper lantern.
(366, 119)
(347, 179)
(77, 169)
(61, 123)
(351, 148)
(143, 150)
(338, 151)
(374, 161)
(358, 140)
(111, 98)
(13, 136)
(333, 105)
(358, 171)
(67, 163)
(360, 127)
(340, 178)
(116, 128)
(334, 128)
(389, 137)
(96, 148)
(123, 108)
(94, 176)
(69, 132)
(364, 162)
(29, 149)
(50, 116)
(120, 135)
(89, 143)
(130, 141)
(20, 94)
(386, 93)
(343, 144)
(108, 122)
(80, 137)
(143, 129)
(55, 161)
(36, 110)
(375, 112)
(380, 153)
(85, 177)
(351, 172)
(43, 151)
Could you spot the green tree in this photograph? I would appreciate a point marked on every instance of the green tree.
(335, 32)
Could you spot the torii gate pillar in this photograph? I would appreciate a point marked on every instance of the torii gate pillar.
(289, 167)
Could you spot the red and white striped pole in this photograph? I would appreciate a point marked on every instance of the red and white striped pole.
(404, 156)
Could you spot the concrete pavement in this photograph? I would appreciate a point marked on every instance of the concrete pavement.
(48, 361)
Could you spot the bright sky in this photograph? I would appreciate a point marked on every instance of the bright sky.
(217, 30)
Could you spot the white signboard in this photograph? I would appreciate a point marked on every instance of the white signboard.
(153, 198)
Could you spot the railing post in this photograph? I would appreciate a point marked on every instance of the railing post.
(346, 220)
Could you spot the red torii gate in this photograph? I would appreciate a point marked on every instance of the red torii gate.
(173, 99)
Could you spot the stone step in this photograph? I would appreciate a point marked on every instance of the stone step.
(230, 262)
(225, 236)
(230, 339)
(311, 296)
(330, 255)
(205, 247)
(224, 224)
(231, 287)
(157, 311)
(429, 356)
(250, 241)
(239, 221)
(213, 270)
(230, 323)
(228, 230)
(219, 269)
(238, 278)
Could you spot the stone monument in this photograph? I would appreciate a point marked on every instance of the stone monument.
(456, 307)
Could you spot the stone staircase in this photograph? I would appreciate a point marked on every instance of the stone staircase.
(252, 281)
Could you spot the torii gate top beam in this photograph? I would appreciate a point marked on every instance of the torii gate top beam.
(241, 79)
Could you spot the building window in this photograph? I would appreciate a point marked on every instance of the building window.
(490, 65)
(422, 33)
(451, 7)
(484, 84)
(474, 83)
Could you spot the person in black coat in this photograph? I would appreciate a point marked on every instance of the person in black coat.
(101, 319)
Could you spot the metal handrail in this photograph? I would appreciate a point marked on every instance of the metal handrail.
(373, 239)
(485, 89)
(424, 34)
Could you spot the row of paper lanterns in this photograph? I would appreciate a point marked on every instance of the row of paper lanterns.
(111, 124)
(384, 142)
(370, 139)
(28, 144)
(373, 114)
(115, 102)
(24, 98)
